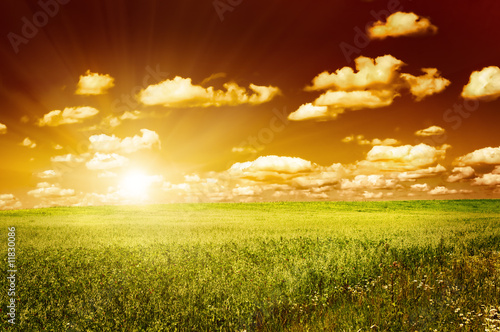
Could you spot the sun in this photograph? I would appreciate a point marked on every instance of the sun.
(135, 184)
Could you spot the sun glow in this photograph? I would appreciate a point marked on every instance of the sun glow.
(135, 184)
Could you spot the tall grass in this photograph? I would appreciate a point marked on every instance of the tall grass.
(387, 266)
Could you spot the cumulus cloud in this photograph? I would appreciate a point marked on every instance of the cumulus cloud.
(402, 158)
(441, 190)
(310, 111)
(374, 181)
(180, 92)
(105, 143)
(431, 131)
(402, 24)
(421, 173)
(3, 129)
(426, 85)
(9, 202)
(370, 73)
(461, 173)
(246, 149)
(375, 84)
(423, 187)
(489, 179)
(103, 161)
(484, 84)
(69, 115)
(94, 84)
(47, 190)
(115, 121)
(27, 142)
(48, 174)
(487, 155)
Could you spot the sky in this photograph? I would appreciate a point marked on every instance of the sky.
(105, 103)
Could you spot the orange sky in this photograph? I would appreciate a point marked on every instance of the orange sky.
(189, 101)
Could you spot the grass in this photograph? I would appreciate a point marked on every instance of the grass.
(322, 266)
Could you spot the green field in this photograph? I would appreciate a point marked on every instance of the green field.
(319, 266)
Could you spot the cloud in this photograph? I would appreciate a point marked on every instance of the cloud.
(402, 24)
(94, 84)
(421, 173)
(105, 143)
(246, 149)
(375, 84)
(461, 173)
(46, 190)
(115, 121)
(440, 190)
(102, 161)
(484, 84)
(401, 158)
(70, 115)
(431, 131)
(180, 92)
(360, 139)
(487, 155)
(67, 158)
(3, 129)
(58, 147)
(423, 187)
(271, 165)
(426, 85)
(356, 100)
(374, 181)
(27, 142)
(9, 202)
(310, 111)
(489, 179)
(48, 174)
(371, 73)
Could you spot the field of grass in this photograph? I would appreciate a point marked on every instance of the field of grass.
(319, 266)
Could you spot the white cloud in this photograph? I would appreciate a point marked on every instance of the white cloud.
(461, 173)
(102, 161)
(440, 190)
(3, 129)
(180, 92)
(48, 174)
(370, 73)
(115, 121)
(376, 84)
(9, 202)
(58, 147)
(401, 158)
(374, 181)
(67, 158)
(401, 24)
(46, 190)
(420, 187)
(489, 179)
(27, 142)
(431, 131)
(105, 143)
(421, 173)
(487, 155)
(426, 85)
(484, 84)
(361, 140)
(310, 111)
(70, 115)
(94, 84)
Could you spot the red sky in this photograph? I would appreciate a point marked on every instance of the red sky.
(166, 101)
